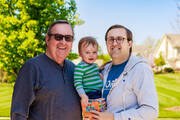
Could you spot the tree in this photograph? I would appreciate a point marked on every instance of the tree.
(101, 55)
(160, 61)
(176, 24)
(149, 42)
(23, 26)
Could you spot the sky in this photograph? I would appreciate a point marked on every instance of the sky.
(145, 18)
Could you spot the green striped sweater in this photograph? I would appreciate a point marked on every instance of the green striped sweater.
(87, 78)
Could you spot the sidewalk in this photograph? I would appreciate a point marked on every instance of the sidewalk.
(4, 118)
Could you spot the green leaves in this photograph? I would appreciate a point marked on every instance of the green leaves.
(23, 26)
(160, 61)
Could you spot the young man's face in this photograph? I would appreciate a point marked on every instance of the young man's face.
(117, 44)
(58, 50)
(89, 53)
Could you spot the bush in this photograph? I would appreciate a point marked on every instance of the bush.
(168, 70)
(157, 72)
(160, 61)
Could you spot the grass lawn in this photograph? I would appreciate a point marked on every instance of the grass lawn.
(167, 119)
(168, 88)
(5, 99)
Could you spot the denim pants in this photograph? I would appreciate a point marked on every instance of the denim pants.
(94, 94)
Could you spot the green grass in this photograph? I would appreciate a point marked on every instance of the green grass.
(5, 99)
(168, 87)
(168, 119)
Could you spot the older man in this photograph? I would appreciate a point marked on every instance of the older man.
(44, 86)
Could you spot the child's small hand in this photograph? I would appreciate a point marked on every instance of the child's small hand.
(101, 76)
(84, 100)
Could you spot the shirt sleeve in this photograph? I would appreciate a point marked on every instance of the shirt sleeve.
(145, 90)
(23, 94)
(78, 79)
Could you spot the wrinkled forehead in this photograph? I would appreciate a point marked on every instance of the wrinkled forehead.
(62, 28)
(116, 32)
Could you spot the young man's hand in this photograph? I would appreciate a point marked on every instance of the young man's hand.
(102, 115)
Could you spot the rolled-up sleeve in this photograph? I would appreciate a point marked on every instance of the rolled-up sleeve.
(23, 94)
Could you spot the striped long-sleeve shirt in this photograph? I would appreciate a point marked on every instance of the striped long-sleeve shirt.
(87, 78)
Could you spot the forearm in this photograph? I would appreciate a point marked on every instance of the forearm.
(79, 87)
(142, 113)
(78, 84)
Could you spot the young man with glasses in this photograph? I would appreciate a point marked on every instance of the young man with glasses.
(129, 87)
(44, 87)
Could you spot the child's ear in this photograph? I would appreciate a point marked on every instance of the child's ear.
(80, 54)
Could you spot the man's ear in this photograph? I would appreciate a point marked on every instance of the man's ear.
(47, 39)
(130, 44)
(80, 54)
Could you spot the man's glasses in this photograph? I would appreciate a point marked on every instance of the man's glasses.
(59, 37)
(119, 40)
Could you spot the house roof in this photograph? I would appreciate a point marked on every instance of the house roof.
(174, 39)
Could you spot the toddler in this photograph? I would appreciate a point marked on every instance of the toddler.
(87, 78)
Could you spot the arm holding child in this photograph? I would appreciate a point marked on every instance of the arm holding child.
(78, 83)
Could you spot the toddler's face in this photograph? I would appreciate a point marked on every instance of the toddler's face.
(89, 53)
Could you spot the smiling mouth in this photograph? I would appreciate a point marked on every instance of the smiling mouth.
(91, 59)
(61, 48)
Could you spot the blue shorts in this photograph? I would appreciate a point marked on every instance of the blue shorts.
(94, 94)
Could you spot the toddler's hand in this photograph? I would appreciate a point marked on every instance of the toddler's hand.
(101, 76)
(84, 100)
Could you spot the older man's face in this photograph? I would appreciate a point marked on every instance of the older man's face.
(58, 50)
(117, 44)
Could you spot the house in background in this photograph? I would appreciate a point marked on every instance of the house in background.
(169, 47)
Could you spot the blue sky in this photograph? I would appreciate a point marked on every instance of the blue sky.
(145, 18)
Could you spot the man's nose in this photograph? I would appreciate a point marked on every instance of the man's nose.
(63, 40)
(115, 42)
